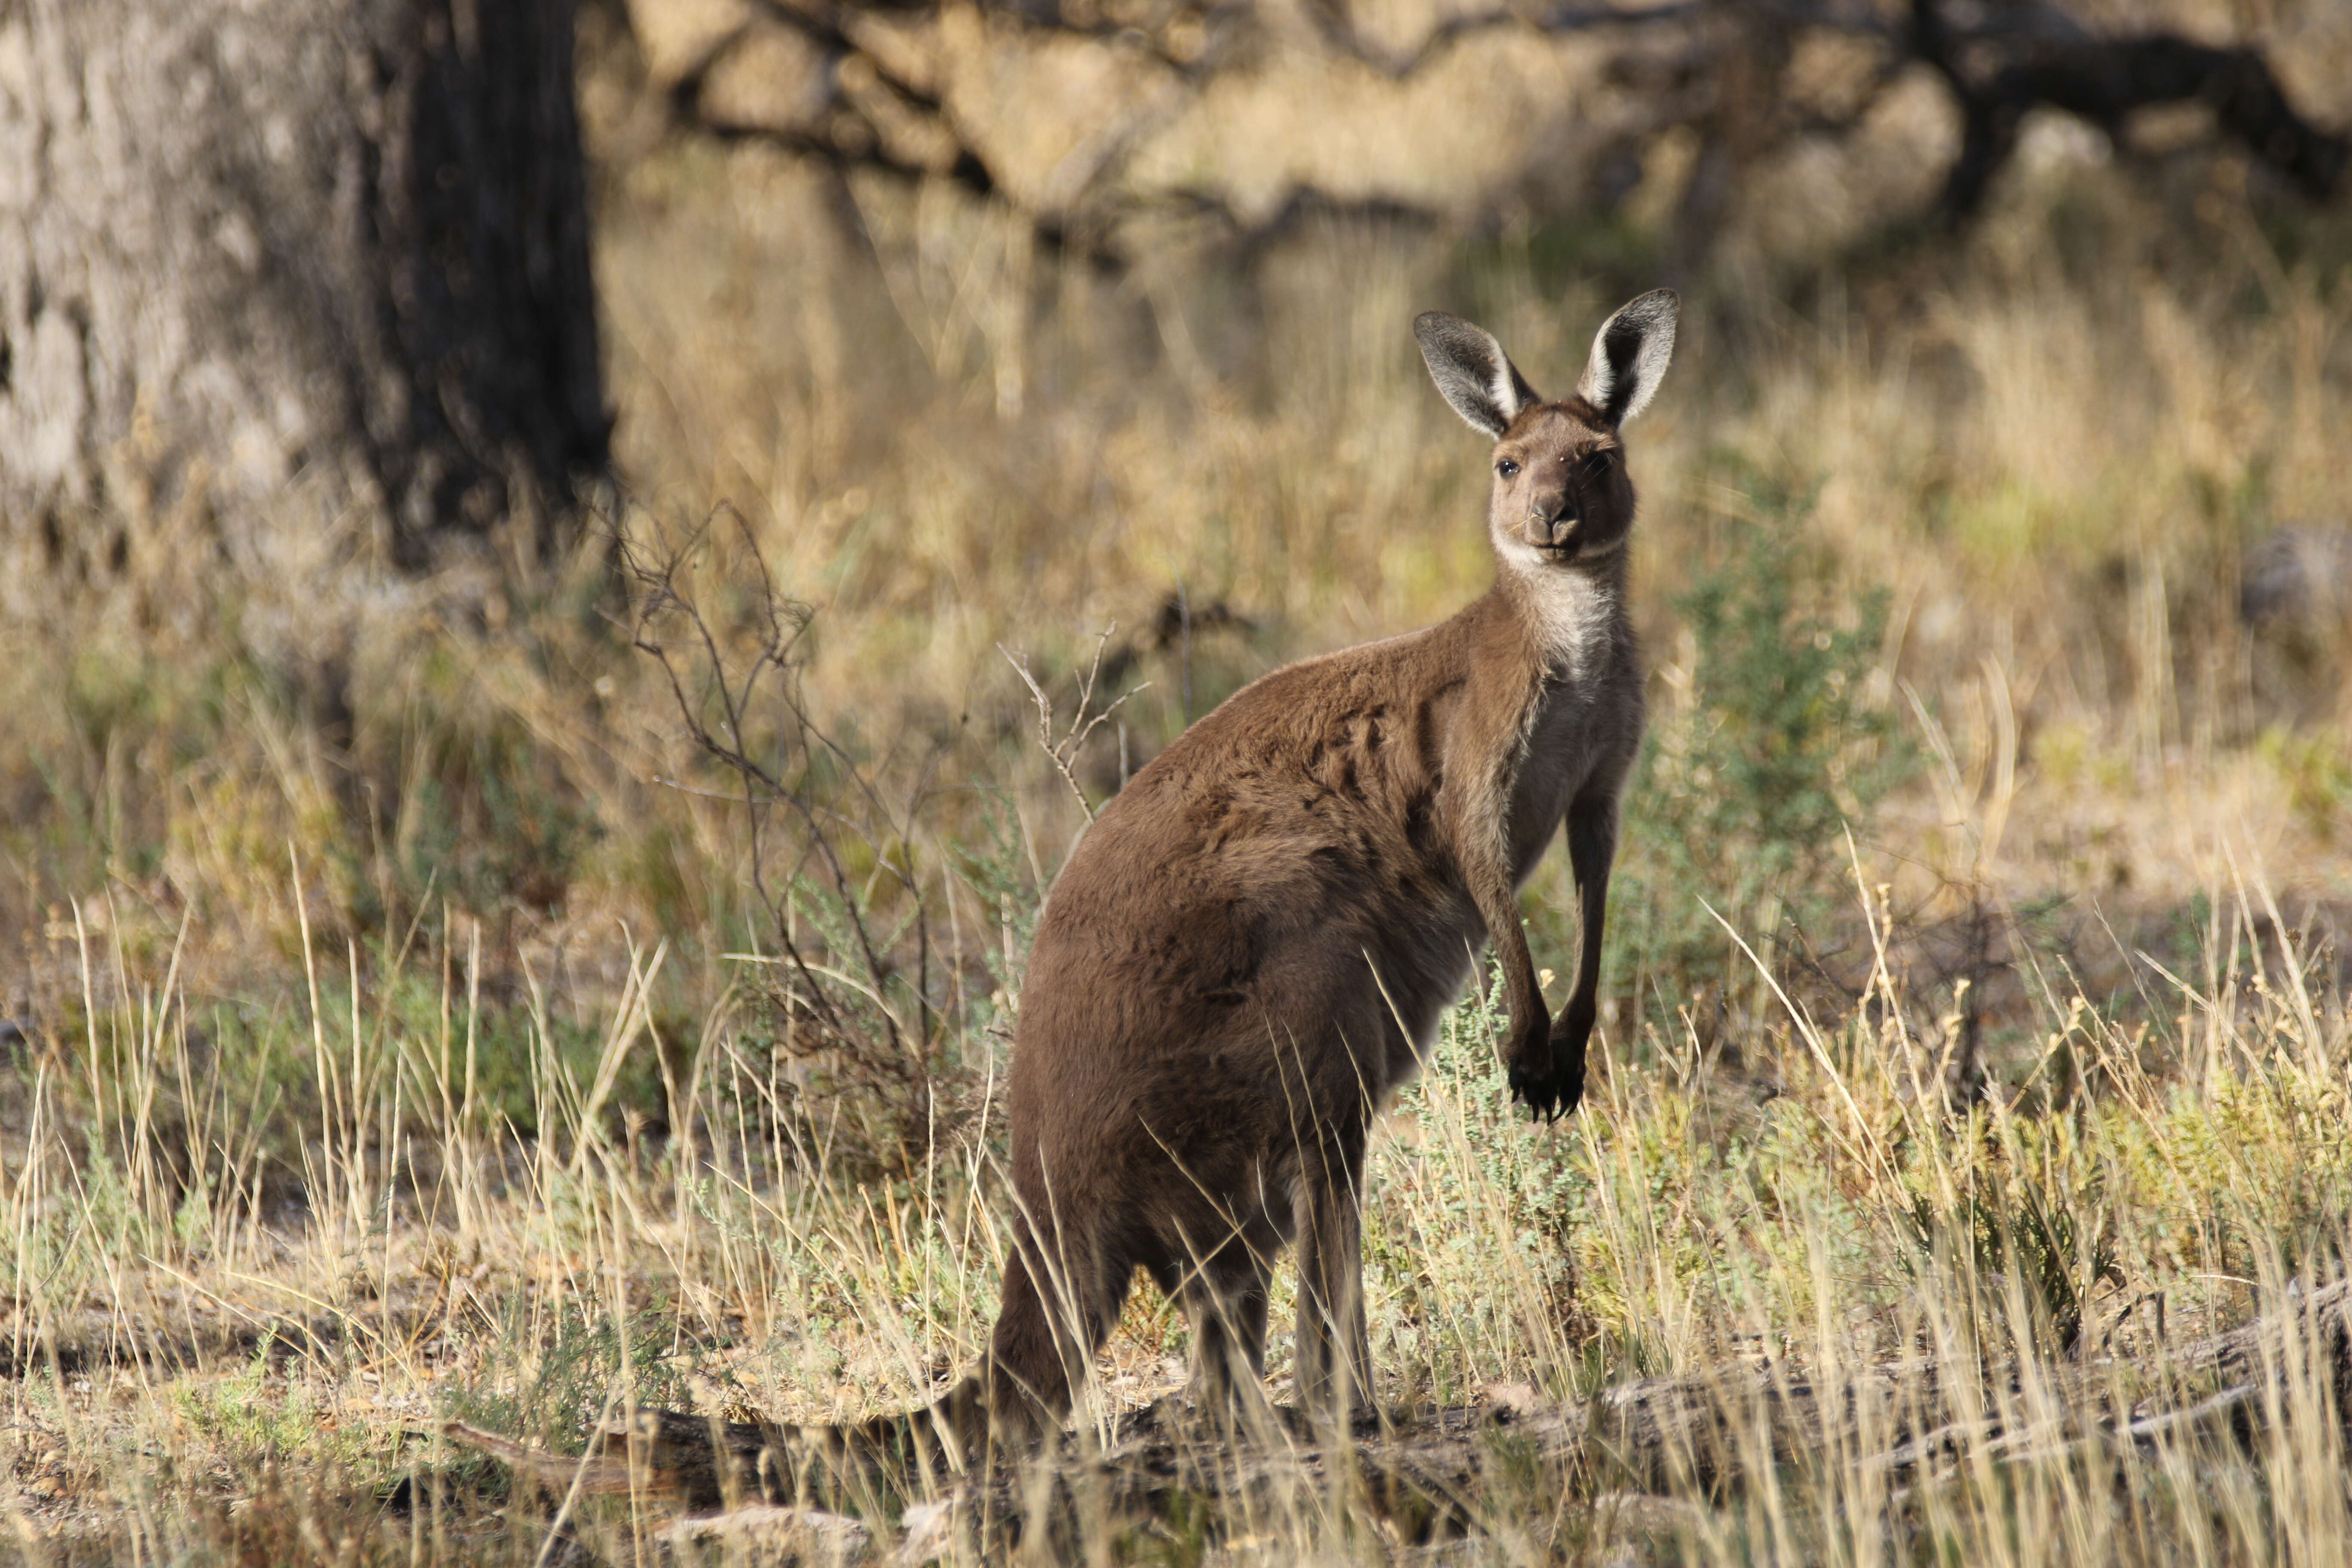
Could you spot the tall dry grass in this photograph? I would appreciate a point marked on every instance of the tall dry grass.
(2054, 448)
(199, 1375)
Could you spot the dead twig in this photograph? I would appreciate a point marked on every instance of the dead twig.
(811, 809)
(1063, 752)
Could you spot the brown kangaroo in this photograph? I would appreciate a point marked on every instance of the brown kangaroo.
(1250, 948)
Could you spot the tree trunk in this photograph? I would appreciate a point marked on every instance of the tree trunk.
(282, 280)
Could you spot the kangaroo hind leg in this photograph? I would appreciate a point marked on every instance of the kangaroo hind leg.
(1058, 1308)
(1225, 1298)
(1334, 1356)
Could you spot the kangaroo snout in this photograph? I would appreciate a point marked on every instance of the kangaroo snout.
(1552, 525)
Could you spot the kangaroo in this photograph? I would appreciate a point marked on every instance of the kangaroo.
(1249, 949)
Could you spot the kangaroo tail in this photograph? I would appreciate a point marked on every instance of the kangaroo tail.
(1021, 1389)
(1018, 1394)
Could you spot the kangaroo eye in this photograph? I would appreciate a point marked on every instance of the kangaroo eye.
(1506, 467)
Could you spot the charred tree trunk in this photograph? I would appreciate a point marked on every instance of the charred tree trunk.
(282, 280)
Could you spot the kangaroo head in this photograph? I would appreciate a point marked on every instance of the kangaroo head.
(1561, 496)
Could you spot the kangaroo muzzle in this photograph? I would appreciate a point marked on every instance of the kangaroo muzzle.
(1551, 528)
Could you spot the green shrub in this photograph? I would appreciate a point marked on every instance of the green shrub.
(553, 1376)
(1749, 781)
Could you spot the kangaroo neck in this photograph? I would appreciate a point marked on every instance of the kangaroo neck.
(1572, 614)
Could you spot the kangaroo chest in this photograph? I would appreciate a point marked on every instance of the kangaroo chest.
(1573, 734)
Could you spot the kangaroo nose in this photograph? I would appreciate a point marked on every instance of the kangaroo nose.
(1550, 522)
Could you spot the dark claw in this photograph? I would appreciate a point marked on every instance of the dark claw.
(1550, 1095)
(1556, 1090)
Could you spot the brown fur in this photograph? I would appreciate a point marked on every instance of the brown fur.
(1250, 949)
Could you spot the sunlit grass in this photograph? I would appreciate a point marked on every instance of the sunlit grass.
(1845, 1216)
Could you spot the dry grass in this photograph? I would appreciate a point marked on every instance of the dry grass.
(379, 1056)
(185, 1335)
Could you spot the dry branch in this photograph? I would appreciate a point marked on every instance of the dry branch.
(1336, 23)
(822, 837)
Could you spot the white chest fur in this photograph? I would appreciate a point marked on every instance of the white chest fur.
(1577, 614)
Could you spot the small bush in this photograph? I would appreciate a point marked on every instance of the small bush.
(1749, 782)
(571, 1367)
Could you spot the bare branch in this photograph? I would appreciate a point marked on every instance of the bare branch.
(740, 705)
(1338, 28)
(1063, 752)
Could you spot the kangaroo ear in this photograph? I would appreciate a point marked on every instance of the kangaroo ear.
(1472, 371)
(1629, 356)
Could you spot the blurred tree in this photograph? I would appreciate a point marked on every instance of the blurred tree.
(1060, 107)
(256, 249)
(2019, 57)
